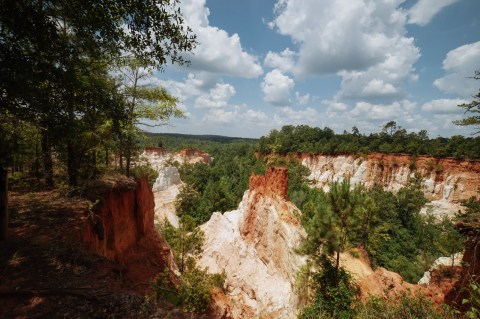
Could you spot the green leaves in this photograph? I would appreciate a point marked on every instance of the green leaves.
(472, 107)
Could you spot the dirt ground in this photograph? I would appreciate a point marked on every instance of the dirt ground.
(45, 272)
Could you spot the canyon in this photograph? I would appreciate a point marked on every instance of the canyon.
(255, 245)
(168, 183)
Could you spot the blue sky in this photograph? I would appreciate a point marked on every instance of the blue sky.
(262, 64)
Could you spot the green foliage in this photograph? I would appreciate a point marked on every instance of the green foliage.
(196, 289)
(473, 300)
(186, 241)
(392, 139)
(472, 107)
(388, 226)
(59, 80)
(330, 218)
(219, 186)
(404, 306)
(449, 241)
(196, 285)
(335, 296)
(140, 171)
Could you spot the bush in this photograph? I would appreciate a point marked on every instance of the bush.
(404, 306)
(335, 296)
(140, 171)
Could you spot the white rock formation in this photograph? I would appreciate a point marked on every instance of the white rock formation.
(445, 181)
(442, 261)
(168, 184)
(254, 246)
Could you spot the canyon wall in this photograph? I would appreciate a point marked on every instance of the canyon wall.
(168, 184)
(120, 227)
(446, 182)
(254, 246)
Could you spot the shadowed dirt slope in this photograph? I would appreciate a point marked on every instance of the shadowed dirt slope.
(47, 272)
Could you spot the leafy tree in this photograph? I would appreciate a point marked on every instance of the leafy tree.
(472, 107)
(186, 241)
(50, 78)
(450, 241)
(330, 218)
(145, 104)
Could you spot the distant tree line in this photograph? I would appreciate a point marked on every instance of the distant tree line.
(391, 139)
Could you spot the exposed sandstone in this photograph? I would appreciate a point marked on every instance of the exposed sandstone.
(168, 184)
(255, 247)
(121, 228)
(387, 284)
(446, 181)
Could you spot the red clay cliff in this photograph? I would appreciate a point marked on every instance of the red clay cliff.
(121, 228)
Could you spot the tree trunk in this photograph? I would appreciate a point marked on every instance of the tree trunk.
(47, 158)
(128, 157)
(3, 204)
(71, 165)
(120, 161)
(37, 160)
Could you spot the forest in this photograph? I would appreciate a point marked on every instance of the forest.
(392, 139)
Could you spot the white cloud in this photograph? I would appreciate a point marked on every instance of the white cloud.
(376, 86)
(302, 99)
(459, 65)
(217, 98)
(287, 115)
(221, 116)
(385, 80)
(342, 34)
(217, 52)
(444, 106)
(236, 115)
(424, 10)
(277, 88)
(362, 41)
(335, 106)
(382, 112)
(284, 61)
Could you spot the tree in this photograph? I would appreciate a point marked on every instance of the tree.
(330, 218)
(450, 241)
(186, 241)
(45, 76)
(390, 127)
(142, 102)
(472, 107)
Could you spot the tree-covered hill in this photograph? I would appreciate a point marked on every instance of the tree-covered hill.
(391, 139)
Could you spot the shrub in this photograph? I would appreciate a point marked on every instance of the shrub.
(404, 306)
(140, 171)
(335, 296)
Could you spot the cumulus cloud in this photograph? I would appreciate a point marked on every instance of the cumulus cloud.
(383, 81)
(342, 34)
(277, 88)
(284, 61)
(302, 99)
(362, 41)
(424, 10)
(217, 98)
(335, 106)
(217, 51)
(235, 115)
(459, 65)
(444, 106)
(193, 85)
(287, 115)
